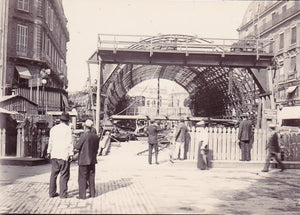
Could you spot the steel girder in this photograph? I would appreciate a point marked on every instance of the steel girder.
(217, 84)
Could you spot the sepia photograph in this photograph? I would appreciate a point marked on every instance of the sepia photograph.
(150, 107)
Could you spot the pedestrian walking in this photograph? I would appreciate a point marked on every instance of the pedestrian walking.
(60, 150)
(87, 146)
(244, 136)
(104, 144)
(273, 148)
(180, 138)
(152, 131)
(203, 147)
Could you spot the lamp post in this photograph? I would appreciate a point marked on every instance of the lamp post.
(44, 75)
(44, 82)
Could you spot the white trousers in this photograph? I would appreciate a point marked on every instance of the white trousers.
(179, 149)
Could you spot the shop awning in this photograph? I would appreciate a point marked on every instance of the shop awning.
(291, 89)
(24, 72)
(289, 113)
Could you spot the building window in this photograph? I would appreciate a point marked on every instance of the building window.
(153, 103)
(22, 39)
(292, 71)
(273, 17)
(294, 35)
(281, 41)
(51, 19)
(49, 16)
(271, 48)
(47, 12)
(284, 9)
(255, 29)
(281, 74)
(40, 6)
(23, 5)
(264, 23)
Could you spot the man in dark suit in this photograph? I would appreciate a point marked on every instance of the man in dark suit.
(244, 136)
(87, 146)
(152, 131)
(273, 147)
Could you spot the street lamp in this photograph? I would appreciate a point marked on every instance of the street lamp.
(44, 74)
(44, 82)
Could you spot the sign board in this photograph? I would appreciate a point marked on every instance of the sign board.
(270, 113)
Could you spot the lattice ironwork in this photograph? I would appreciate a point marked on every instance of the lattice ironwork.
(215, 90)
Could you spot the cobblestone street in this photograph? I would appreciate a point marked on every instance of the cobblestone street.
(125, 183)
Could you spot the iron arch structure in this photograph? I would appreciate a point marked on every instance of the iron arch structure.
(220, 81)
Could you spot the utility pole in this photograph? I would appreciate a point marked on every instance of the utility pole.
(158, 96)
(3, 41)
(98, 99)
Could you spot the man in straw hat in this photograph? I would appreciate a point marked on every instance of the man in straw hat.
(60, 150)
(180, 138)
(273, 148)
(87, 146)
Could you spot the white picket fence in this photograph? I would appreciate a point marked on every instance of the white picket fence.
(223, 144)
(2, 141)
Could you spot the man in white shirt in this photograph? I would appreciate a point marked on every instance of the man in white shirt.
(60, 150)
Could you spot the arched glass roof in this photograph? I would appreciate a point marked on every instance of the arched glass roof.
(215, 91)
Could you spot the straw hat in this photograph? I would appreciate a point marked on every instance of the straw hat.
(88, 123)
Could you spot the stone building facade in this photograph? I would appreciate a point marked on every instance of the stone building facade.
(279, 21)
(34, 66)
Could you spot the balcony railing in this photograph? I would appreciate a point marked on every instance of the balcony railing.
(180, 43)
(280, 17)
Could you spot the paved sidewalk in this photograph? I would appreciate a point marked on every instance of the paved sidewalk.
(125, 183)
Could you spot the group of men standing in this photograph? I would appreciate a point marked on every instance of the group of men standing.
(245, 140)
(177, 148)
(61, 151)
(245, 137)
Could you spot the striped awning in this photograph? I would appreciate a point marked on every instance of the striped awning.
(24, 72)
(291, 89)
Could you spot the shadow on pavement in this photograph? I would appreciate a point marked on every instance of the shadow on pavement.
(109, 186)
(272, 193)
(9, 173)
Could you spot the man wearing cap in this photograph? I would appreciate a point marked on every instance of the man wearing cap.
(180, 138)
(244, 136)
(152, 131)
(273, 147)
(87, 146)
(60, 150)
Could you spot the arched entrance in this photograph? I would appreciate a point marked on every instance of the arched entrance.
(220, 80)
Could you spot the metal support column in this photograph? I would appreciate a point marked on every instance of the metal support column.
(98, 98)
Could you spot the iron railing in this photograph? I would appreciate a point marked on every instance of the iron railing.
(182, 43)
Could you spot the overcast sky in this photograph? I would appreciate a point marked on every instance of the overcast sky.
(87, 18)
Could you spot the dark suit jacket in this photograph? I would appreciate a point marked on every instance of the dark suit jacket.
(273, 143)
(245, 130)
(87, 145)
(152, 131)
